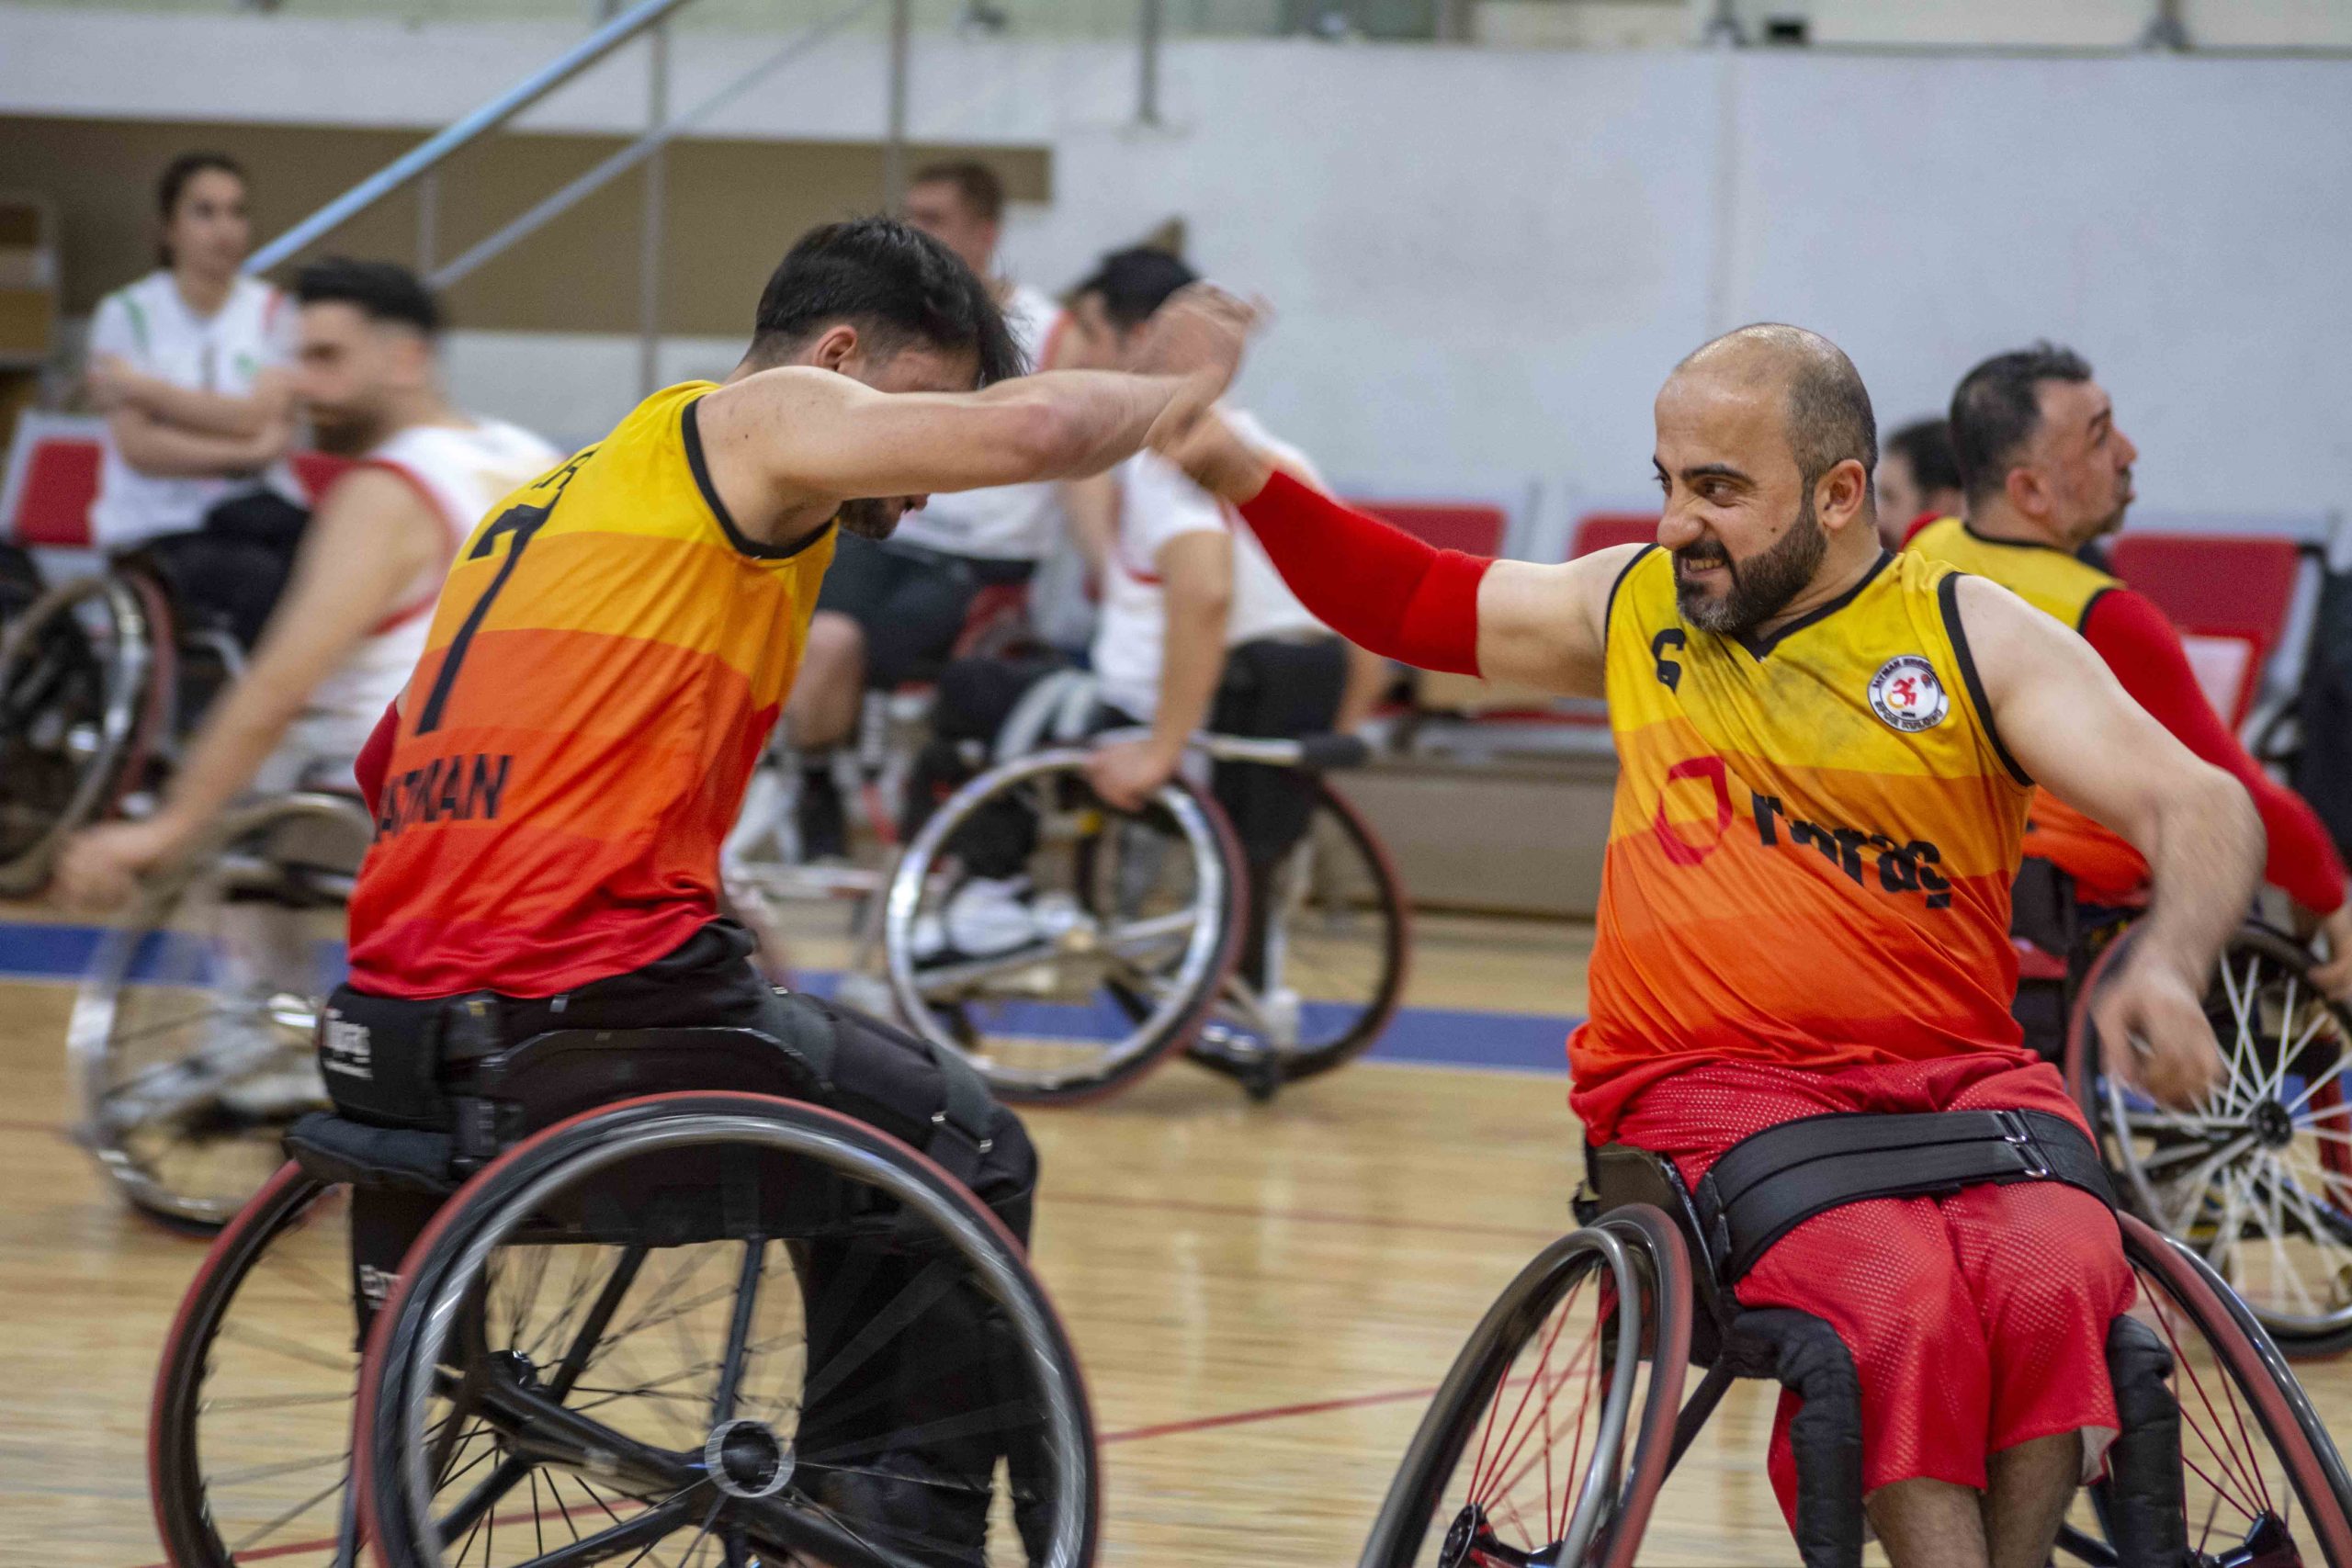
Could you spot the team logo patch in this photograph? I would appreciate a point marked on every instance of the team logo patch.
(1907, 695)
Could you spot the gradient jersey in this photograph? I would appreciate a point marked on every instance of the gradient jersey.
(2057, 584)
(1810, 852)
(606, 661)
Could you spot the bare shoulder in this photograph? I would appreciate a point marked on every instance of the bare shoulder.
(2010, 642)
(785, 386)
(374, 495)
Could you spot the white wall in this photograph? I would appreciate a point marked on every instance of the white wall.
(1484, 262)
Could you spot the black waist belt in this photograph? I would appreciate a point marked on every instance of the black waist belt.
(1771, 1181)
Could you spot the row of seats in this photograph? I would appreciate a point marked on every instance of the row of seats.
(2231, 595)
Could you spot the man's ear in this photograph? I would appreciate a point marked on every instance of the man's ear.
(838, 346)
(2026, 493)
(1841, 495)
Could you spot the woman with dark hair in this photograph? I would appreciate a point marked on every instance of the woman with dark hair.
(191, 365)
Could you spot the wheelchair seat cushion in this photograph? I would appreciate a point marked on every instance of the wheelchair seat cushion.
(338, 1150)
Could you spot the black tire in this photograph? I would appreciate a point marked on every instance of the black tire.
(2230, 1383)
(1132, 1015)
(1428, 1490)
(269, 1400)
(443, 1339)
(1350, 993)
(2257, 1178)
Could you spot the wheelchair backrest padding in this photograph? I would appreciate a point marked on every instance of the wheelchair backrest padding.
(551, 1076)
(1619, 1174)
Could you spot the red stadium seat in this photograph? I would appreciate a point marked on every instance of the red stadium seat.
(1472, 527)
(1599, 530)
(52, 479)
(2228, 594)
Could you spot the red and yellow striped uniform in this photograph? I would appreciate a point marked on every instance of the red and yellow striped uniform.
(2066, 586)
(1809, 854)
(608, 658)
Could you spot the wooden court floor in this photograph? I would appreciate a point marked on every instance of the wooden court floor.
(1262, 1297)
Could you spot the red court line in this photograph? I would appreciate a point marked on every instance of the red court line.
(1305, 1216)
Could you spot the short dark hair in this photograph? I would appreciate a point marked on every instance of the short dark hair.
(1828, 410)
(1926, 444)
(173, 185)
(1998, 407)
(382, 290)
(981, 186)
(1135, 283)
(895, 283)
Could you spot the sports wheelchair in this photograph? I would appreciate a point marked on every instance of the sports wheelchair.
(189, 1044)
(644, 1324)
(1146, 931)
(1563, 1417)
(2257, 1178)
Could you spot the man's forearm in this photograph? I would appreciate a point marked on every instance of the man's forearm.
(199, 412)
(1191, 665)
(233, 744)
(162, 452)
(2206, 861)
(1096, 418)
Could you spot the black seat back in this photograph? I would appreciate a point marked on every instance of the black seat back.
(558, 1074)
(1618, 1174)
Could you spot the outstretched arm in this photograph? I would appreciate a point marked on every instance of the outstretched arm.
(2070, 725)
(1387, 591)
(373, 537)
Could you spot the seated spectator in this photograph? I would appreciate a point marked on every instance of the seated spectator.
(1918, 480)
(189, 367)
(1197, 632)
(892, 610)
(355, 617)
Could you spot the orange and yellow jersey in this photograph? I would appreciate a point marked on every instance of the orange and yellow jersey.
(608, 658)
(2102, 863)
(1810, 852)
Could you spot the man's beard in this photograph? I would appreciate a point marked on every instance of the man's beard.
(1761, 586)
(867, 519)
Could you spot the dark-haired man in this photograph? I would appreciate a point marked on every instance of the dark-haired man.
(609, 653)
(2047, 471)
(891, 613)
(1918, 480)
(1804, 909)
(341, 642)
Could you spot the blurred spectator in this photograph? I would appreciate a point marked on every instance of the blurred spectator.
(890, 610)
(1918, 480)
(189, 365)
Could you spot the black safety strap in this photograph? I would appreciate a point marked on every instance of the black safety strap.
(959, 1128)
(1771, 1182)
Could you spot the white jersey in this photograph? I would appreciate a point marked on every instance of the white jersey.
(464, 470)
(1157, 503)
(151, 326)
(1010, 522)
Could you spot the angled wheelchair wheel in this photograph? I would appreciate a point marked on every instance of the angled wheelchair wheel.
(249, 1436)
(190, 1040)
(84, 678)
(2257, 1178)
(1105, 950)
(1322, 964)
(1550, 1438)
(721, 1327)
(2262, 1482)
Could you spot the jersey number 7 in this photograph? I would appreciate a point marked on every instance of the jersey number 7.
(522, 522)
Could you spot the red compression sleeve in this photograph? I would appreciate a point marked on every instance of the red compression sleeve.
(2141, 645)
(375, 757)
(1377, 586)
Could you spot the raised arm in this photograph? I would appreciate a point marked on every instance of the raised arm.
(2069, 724)
(369, 542)
(1387, 591)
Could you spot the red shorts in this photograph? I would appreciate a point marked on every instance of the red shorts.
(1976, 1322)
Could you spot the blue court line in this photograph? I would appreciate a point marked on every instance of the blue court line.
(1432, 1036)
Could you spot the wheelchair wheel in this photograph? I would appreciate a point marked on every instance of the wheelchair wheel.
(2258, 1178)
(1549, 1440)
(249, 1439)
(1127, 926)
(84, 679)
(190, 1040)
(2263, 1482)
(721, 1323)
(1322, 967)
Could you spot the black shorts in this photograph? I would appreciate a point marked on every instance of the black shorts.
(911, 603)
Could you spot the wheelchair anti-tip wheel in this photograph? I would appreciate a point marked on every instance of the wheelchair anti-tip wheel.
(1548, 1441)
(83, 685)
(191, 1036)
(2259, 1177)
(722, 1325)
(1321, 966)
(249, 1439)
(1125, 926)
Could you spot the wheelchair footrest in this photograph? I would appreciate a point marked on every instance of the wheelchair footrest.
(336, 1150)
